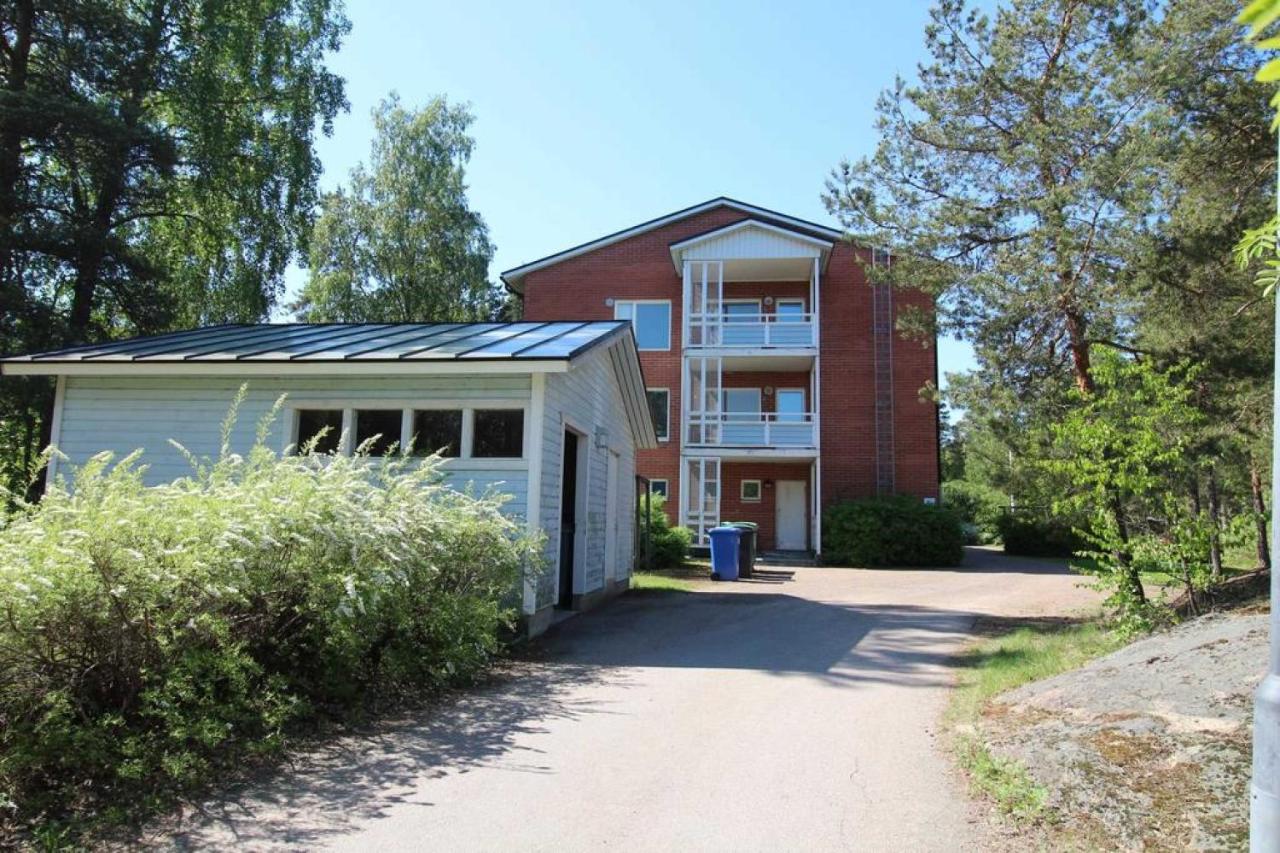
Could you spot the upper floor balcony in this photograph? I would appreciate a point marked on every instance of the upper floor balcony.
(751, 288)
(788, 327)
(773, 430)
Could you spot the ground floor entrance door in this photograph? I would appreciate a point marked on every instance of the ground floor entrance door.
(568, 517)
(791, 515)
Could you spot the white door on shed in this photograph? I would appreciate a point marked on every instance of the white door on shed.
(611, 522)
(790, 521)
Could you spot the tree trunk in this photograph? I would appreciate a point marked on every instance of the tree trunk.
(1081, 365)
(1259, 514)
(1215, 525)
(1130, 578)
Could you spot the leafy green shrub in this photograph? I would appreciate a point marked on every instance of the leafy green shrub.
(669, 545)
(978, 507)
(896, 531)
(1034, 536)
(153, 636)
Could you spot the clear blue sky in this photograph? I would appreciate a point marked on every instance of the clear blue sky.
(591, 117)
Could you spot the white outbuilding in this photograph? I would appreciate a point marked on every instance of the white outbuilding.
(551, 413)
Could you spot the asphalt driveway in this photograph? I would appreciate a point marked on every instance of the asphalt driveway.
(794, 712)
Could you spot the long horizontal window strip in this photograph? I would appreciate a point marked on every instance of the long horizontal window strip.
(462, 432)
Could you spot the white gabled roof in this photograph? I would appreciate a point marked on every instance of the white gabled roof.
(514, 278)
(750, 239)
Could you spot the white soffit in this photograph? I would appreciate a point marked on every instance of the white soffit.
(751, 241)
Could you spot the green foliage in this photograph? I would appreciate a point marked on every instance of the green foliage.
(669, 545)
(978, 507)
(1121, 447)
(1034, 535)
(157, 170)
(400, 243)
(896, 531)
(1008, 174)
(155, 637)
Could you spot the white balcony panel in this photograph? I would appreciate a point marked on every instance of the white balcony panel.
(743, 430)
(753, 331)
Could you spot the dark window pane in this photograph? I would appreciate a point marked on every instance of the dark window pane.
(437, 430)
(659, 405)
(658, 487)
(499, 433)
(383, 423)
(311, 422)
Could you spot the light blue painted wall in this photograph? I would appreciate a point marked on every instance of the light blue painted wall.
(123, 414)
(588, 396)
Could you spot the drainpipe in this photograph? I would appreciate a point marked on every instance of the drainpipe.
(1264, 792)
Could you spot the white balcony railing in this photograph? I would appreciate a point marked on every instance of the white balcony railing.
(751, 330)
(750, 429)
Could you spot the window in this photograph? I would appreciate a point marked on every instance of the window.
(650, 320)
(498, 434)
(380, 425)
(741, 312)
(660, 411)
(323, 425)
(658, 487)
(751, 491)
(790, 310)
(741, 404)
(790, 405)
(437, 430)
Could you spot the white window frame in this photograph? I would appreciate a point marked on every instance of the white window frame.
(742, 492)
(724, 402)
(725, 303)
(667, 425)
(666, 487)
(619, 303)
(777, 409)
(407, 408)
(788, 300)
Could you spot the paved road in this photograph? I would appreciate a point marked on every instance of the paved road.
(795, 712)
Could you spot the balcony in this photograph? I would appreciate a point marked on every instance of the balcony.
(791, 330)
(764, 430)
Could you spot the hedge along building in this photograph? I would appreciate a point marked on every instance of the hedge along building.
(551, 413)
(778, 381)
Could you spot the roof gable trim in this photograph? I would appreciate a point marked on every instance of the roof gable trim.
(513, 278)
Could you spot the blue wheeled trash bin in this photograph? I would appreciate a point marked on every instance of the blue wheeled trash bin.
(724, 553)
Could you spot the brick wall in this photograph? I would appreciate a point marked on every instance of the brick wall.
(640, 268)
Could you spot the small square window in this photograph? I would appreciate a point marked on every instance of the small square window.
(660, 411)
(750, 491)
(658, 487)
(324, 426)
(380, 425)
(498, 434)
(437, 431)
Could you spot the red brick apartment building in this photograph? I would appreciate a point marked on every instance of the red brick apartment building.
(777, 382)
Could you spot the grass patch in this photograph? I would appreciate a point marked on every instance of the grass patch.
(654, 582)
(1006, 782)
(999, 663)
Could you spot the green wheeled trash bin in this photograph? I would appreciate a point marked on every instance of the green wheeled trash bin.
(746, 546)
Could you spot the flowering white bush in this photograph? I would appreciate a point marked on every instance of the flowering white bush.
(150, 635)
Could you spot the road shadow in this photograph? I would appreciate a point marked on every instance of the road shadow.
(785, 635)
(988, 559)
(326, 790)
(584, 666)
